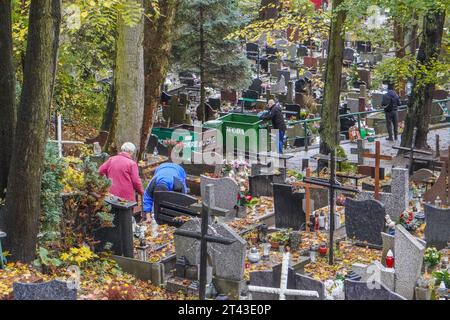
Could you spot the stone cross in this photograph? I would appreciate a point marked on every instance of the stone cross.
(378, 157)
(359, 151)
(204, 238)
(283, 291)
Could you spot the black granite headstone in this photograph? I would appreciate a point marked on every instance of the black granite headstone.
(437, 230)
(288, 206)
(52, 290)
(365, 220)
(169, 205)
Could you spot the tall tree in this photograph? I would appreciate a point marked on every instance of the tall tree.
(129, 81)
(24, 182)
(329, 129)
(7, 93)
(202, 45)
(420, 102)
(158, 36)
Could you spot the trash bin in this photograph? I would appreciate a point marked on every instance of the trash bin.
(243, 129)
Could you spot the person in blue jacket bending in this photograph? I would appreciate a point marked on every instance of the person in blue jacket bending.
(167, 177)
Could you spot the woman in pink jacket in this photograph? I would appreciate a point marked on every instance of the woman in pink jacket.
(123, 172)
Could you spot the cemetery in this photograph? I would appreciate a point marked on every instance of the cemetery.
(167, 157)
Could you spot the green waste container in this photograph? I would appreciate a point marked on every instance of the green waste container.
(241, 131)
(190, 136)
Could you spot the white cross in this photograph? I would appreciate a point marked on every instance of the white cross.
(59, 140)
(283, 291)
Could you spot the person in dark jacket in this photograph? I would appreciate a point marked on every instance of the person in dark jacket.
(167, 177)
(275, 114)
(390, 103)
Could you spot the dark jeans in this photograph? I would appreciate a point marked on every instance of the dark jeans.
(281, 142)
(392, 123)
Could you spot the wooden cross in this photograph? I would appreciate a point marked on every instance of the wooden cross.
(378, 157)
(308, 188)
(283, 291)
(204, 238)
(359, 151)
(332, 186)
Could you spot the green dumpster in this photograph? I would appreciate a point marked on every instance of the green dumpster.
(188, 134)
(241, 132)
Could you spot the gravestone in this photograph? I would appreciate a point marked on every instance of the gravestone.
(349, 54)
(288, 206)
(271, 278)
(292, 51)
(364, 75)
(256, 85)
(388, 244)
(353, 105)
(52, 290)
(121, 234)
(227, 260)
(286, 74)
(279, 87)
(319, 198)
(225, 191)
(359, 151)
(310, 62)
(359, 290)
(364, 220)
(422, 175)
(261, 185)
(375, 273)
(273, 69)
(168, 205)
(302, 51)
(377, 97)
(397, 200)
(437, 229)
(370, 171)
(408, 262)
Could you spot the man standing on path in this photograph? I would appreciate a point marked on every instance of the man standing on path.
(275, 114)
(390, 103)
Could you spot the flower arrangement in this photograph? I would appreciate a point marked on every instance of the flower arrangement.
(432, 257)
(244, 200)
(281, 237)
(407, 220)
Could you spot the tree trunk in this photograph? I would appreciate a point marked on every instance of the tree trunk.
(24, 182)
(202, 67)
(400, 52)
(7, 93)
(129, 84)
(413, 34)
(329, 129)
(109, 111)
(158, 35)
(420, 102)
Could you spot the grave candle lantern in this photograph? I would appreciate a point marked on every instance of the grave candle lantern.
(390, 259)
(323, 249)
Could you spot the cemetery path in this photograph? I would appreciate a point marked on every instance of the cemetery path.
(386, 148)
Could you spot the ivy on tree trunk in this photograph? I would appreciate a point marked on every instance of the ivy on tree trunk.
(24, 182)
(158, 35)
(329, 129)
(7, 93)
(420, 102)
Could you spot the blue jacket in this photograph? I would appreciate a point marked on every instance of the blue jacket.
(169, 175)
